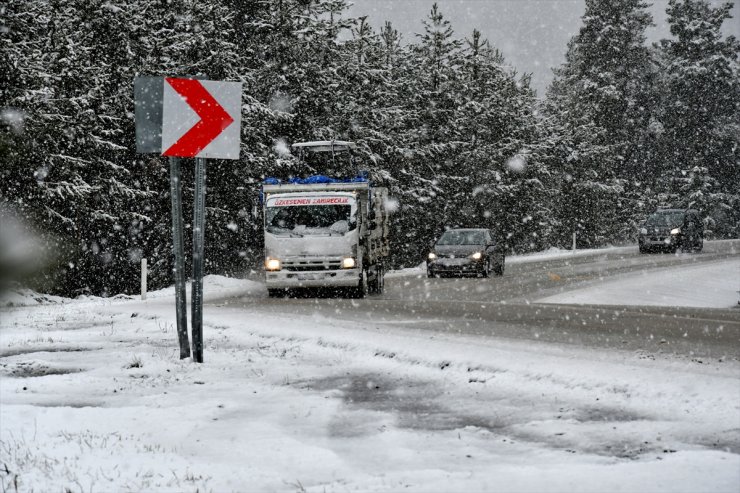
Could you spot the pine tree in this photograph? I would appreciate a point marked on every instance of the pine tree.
(429, 177)
(507, 181)
(700, 115)
(601, 97)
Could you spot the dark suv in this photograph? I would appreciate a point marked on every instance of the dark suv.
(671, 229)
(466, 251)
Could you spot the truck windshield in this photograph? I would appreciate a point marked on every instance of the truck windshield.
(310, 220)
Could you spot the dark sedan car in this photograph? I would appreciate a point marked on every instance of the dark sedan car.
(466, 251)
(671, 229)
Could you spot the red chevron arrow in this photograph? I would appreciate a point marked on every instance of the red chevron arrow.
(213, 118)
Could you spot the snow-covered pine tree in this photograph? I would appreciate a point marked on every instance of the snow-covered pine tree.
(297, 75)
(429, 176)
(700, 114)
(22, 55)
(367, 101)
(81, 189)
(602, 93)
(507, 182)
(82, 177)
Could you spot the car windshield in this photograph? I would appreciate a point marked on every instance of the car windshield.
(310, 220)
(462, 238)
(665, 219)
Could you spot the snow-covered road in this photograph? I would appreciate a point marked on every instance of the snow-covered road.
(94, 398)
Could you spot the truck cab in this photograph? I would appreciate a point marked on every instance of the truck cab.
(325, 232)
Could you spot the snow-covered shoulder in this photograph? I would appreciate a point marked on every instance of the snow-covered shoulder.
(707, 285)
(215, 287)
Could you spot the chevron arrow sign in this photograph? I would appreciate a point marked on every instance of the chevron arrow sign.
(201, 118)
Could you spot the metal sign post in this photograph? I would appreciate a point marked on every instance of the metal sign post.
(199, 229)
(179, 251)
(188, 117)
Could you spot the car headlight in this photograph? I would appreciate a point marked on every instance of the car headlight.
(348, 263)
(476, 256)
(272, 263)
(675, 231)
(643, 231)
(432, 256)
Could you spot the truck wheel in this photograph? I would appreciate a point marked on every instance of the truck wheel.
(377, 285)
(362, 288)
(380, 281)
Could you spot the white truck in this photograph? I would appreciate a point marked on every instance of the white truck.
(323, 232)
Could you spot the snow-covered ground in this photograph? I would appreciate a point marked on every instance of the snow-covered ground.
(94, 398)
(706, 285)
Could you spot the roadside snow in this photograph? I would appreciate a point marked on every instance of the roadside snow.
(94, 399)
(214, 287)
(559, 253)
(707, 285)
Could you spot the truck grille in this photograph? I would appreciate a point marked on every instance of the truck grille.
(312, 265)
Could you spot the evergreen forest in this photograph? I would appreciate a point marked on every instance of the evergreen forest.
(453, 130)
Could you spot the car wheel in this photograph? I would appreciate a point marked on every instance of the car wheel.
(498, 269)
(486, 268)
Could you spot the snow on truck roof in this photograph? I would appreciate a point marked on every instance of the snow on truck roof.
(325, 145)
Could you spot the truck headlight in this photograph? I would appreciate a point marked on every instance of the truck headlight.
(476, 256)
(432, 256)
(272, 263)
(348, 263)
(675, 231)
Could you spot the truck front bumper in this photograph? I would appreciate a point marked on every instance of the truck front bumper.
(285, 279)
